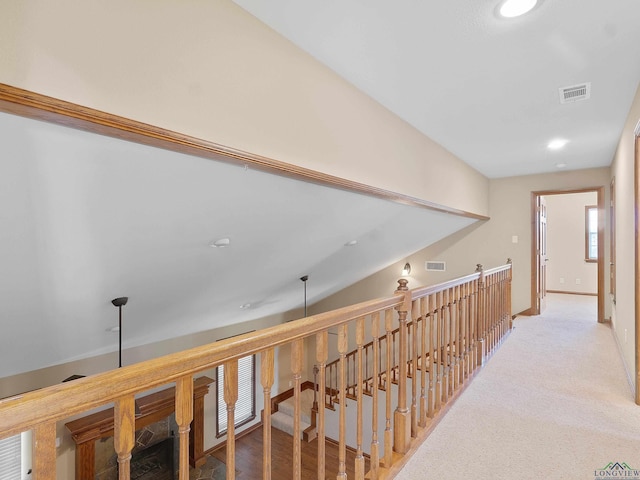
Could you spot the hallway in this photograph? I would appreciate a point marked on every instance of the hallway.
(554, 402)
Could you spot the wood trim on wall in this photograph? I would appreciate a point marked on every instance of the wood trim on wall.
(41, 107)
(636, 201)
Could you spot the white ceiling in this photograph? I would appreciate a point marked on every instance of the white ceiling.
(484, 87)
(87, 218)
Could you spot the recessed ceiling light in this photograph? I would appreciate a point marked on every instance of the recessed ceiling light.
(561, 165)
(351, 243)
(557, 144)
(515, 8)
(220, 243)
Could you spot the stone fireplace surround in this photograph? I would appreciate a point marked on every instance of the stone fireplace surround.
(93, 434)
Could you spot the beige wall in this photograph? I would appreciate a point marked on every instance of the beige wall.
(488, 243)
(566, 244)
(622, 169)
(211, 70)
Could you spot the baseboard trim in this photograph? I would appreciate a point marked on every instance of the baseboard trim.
(223, 444)
(627, 372)
(573, 293)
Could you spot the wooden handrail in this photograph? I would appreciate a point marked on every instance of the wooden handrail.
(25, 411)
(447, 329)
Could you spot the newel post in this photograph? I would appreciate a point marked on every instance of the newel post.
(481, 315)
(402, 416)
(508, 295)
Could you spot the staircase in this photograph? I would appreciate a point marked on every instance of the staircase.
(282, 419)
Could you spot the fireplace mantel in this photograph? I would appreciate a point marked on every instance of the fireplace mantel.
(154, 407)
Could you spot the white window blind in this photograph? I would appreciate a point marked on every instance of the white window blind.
(10, 458)
(591, 231)
(245, 406)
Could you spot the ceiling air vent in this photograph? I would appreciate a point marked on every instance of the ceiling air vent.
(575, 93)
(435, 266)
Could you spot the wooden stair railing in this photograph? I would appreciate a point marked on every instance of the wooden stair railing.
(443, 333)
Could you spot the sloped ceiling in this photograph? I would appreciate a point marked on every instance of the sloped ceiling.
(483, 86)
(88, 218)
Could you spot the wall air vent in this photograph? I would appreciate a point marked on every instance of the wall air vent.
(575, 93)
(435, 266)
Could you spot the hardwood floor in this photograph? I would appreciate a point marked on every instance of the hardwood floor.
(249, 457)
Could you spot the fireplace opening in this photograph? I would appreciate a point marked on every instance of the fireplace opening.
(154, 462)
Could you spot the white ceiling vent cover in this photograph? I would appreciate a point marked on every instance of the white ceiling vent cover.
(435, 266)
(575, 93)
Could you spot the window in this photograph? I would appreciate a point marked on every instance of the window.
(10, 461)
(246, 404)
(591, 234)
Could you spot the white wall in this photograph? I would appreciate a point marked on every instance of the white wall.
(566, 244)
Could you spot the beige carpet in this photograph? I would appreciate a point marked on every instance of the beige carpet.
(553, 403)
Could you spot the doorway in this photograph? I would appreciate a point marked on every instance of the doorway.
(539, 257)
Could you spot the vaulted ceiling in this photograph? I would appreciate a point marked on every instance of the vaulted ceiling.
(87, 218)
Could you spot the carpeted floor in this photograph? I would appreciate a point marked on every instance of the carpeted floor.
(553, 402)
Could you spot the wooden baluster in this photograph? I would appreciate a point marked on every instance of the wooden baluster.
(124, 432)
(476, 324)
(402, 416)
(467, 329)
(473, 317)
(439, 348)
(488, 317)
(394, 377)
(374, 454)
(342, 400)
(415, 316)
(461, 337)
(348, 382)
(431, 400)
(184, 417)
(359, 461)
(446, 347)
(497, 311)
(509, 306)
(481, 316)
(457, 318)
(388, 432)
(380, 367)
(499, 299)
(333, 383)
(366, 369)
(322, 353)
(44, 451)
(424, 361)
(230, 398)
(455, 339)
(266, 379)
(494, 312)
(297, 359)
